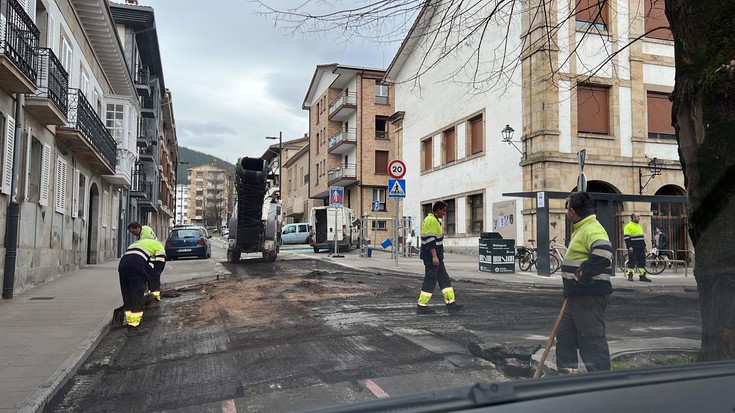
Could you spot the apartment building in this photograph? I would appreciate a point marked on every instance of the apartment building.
(560, 100)
(209, 195)
(272, 156)
(295, 194)
(70, 108)
(182, 202)
(150, 194)
(350, 144)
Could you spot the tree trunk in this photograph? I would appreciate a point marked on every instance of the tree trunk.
(704, 117)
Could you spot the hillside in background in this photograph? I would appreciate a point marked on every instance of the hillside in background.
(196, 158)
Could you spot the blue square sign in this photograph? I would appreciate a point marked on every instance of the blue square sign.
(396, 188)
(336, 196)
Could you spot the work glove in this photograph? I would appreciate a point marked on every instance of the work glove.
(583, 279)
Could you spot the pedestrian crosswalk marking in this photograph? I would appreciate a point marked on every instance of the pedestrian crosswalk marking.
(397, 190)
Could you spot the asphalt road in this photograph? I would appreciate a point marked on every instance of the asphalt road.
(302, 333)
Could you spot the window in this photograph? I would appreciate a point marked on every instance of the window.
(66, 55)
(115, 116)
(381, 94)
(425, 209)
(45, 175)
(8, 154)
(656, 23)
(450, 146)
(381, 127)
(290, 230)
(592, 110)
(476, 138)
(379, 225)
(591, 13)
(379, 195)
(82, 197)
(476, 213)
(318, 111)
(381, 162)
(659, 116)
(84, 83)
(428, 156)
(450, 219)
(34, 172)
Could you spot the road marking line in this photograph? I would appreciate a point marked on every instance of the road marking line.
(375, 389)
(228, 406)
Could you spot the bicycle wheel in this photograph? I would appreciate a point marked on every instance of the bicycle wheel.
(554, 263)
(622, 262)
(655, 264)
(526, 262)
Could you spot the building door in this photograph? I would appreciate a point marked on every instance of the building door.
(93, 224)
(671, 218)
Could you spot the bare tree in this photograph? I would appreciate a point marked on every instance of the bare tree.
(703, 99)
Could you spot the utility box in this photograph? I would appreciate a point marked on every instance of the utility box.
(497, 255)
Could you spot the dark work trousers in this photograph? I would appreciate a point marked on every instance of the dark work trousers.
(637, 258)
(133, 285)
(432, 274)
(154, 281)
(583, 328)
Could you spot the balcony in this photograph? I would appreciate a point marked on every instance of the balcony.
(343, 141)
(344, 106)
(146, 154)
(86, 135)
(50, 103)
(142, 190)
(19, 42)
(142, 82)
(147, 108)
(343, 175)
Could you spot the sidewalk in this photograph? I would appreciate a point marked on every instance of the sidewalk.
(48, 331)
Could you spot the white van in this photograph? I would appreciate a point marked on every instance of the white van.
(326, 223)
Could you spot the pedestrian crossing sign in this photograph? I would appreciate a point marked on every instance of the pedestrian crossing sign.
(396, 188)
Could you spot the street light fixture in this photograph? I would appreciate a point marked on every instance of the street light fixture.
(654, 167)
(507, 133)
(280, 158)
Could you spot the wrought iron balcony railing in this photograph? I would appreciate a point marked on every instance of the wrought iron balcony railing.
(53, 81)
(138, 181)
(21, 39)
(83, 118)
(143, 76)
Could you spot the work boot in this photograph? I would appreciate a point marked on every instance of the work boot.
(424, 309)
(153, 305)
(565, 370)
(454, 307)
(645, 279)
(630, 277)
(135, 331)
(150, 298)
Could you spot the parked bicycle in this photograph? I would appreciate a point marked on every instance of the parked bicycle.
(655, 262)
(527, 257)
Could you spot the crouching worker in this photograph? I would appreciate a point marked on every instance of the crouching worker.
(158, 259)
(134, 268)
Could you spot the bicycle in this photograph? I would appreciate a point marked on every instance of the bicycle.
(527, 258)
(655, 262)
(555, 251)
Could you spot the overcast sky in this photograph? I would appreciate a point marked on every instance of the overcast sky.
(236, 77)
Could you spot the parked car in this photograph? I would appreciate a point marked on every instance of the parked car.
(295, 233)
(188, 242)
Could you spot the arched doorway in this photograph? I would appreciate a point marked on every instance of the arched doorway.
(93, 224)
(672, 219)
(602, 187)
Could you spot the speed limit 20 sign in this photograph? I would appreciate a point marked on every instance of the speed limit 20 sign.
(396, 169)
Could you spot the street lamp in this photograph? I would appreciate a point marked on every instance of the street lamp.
(176, 188)
(280, 158)
(654, 168)
(507, 134)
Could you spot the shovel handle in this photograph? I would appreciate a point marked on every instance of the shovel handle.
(541, 362)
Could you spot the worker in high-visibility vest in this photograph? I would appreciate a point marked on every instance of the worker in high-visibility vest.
(134, 268)
(636, 244)
(432, 254)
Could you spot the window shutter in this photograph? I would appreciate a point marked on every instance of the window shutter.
(476, 130)
(75, 194)
(30, 9)
(3, 23)
(428, 154)
(593, 11)
(27, 172)
(659, 114)
(51, 33)
(60, 185)
(592, 110)
(8, 157)
(66, 56)
(45, 175)
(654, 17)
(449, 146)
(381, 162)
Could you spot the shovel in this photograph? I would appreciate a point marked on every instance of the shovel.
(541, 362)
(118, 317)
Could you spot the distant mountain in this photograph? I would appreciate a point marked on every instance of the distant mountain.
(196, 158)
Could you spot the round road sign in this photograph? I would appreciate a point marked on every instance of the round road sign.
(396, 169)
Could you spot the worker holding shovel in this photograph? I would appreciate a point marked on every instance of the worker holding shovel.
(587, 287)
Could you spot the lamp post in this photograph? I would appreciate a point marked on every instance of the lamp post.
(507, 134)
(280, 158)
(176, 188)
(654, 168)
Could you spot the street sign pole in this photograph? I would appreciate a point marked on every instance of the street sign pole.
(395, 234)
(396, 189)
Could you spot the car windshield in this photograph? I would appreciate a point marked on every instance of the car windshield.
(185, 233)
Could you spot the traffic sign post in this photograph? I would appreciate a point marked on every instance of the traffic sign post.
(336, 199)
(397, 190)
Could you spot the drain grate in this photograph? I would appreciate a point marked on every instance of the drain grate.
(41, 298)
